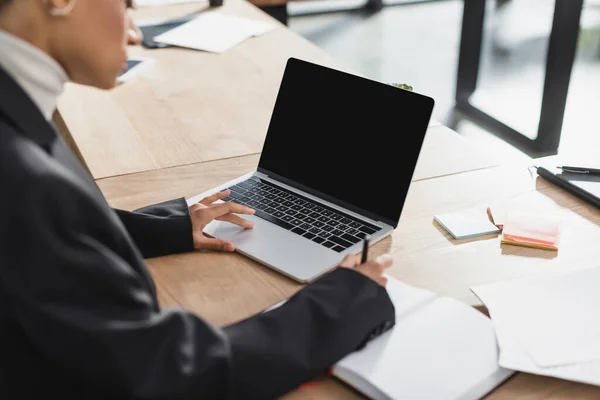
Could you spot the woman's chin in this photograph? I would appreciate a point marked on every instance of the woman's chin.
(106, 85)
(99, 82)
(108, 82)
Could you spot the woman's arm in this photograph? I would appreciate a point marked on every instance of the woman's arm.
(83, 300)
(160, 229)
(170, 227)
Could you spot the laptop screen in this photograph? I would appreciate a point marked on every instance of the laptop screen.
(353, 139)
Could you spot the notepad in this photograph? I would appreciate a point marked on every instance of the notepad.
(530, 231)
(466, 224)
(214, 32)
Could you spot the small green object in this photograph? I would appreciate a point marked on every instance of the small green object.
(403, 86)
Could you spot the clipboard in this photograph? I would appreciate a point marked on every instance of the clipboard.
(584, 186)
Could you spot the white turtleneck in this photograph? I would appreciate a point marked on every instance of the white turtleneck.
(40, 76)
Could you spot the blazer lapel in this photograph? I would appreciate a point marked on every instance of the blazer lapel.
(22, 113)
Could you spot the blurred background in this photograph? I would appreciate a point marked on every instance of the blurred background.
(418, 43)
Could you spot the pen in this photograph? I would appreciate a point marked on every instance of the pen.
(580, 170)
(365, 250)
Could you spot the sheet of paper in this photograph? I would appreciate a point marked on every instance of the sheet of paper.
(554, 318)
(513, 356)
(214, 32)
(466, 224)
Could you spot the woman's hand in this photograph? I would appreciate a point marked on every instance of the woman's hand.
(205, 211)
(373, 269)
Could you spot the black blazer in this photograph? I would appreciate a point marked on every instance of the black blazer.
(79, 316)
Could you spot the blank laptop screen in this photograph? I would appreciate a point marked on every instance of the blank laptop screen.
(353, 139)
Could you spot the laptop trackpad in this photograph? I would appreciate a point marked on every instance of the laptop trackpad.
(297, 257)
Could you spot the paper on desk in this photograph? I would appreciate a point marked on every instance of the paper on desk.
(513, 356)
(555, 319)
(214, 32)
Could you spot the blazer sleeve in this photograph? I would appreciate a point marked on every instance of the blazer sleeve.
(160, 229)
(84, 307)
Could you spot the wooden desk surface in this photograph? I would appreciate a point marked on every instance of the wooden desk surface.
(424, 253)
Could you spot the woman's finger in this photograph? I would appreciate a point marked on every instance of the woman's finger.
(236, 220)
(350, 261)
(227, 208)
(207, 201)
(385, 261)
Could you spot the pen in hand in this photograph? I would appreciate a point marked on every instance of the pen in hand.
(365, 249)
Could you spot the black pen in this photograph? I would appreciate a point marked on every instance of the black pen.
(365, 251)
(580, 170)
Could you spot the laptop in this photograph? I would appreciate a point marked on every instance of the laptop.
(336, 165)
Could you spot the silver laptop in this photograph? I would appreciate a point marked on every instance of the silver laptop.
(336, 165)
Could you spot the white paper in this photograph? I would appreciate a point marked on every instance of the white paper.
(214, 32)
(555, 319)
(513, 356)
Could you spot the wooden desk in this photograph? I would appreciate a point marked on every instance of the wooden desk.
(424, 254)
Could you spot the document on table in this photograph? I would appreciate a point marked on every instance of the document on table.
(513, 356)
(555, 320)
(214, 32)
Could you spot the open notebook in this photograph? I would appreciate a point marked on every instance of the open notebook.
(439, 348)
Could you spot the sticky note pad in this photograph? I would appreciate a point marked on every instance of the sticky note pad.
(466, 224)
(531, 231)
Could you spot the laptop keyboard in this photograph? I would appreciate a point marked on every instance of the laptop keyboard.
(313, 221)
